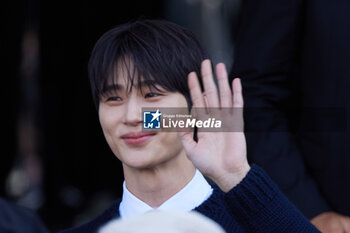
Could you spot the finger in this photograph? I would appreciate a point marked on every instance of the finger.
(224, 88)
(238, 119)
(195, 91)
(187, 141)
(237, 93)
(209, 84)
(205, 99)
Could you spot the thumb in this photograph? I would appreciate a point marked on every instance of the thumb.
(187, 140)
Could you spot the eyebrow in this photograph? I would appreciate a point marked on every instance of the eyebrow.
(110, 88)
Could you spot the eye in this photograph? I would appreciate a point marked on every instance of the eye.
(151, 95)
(114, 98)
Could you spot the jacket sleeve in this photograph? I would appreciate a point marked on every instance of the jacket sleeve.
(258, 205)
(267, 51)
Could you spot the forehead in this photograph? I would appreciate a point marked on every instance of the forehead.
(125, 75)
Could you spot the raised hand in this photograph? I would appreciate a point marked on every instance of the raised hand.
(221, 156)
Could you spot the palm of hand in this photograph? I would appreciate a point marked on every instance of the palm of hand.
(219, 155)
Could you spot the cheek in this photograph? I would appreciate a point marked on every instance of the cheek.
(109, 122)
(106, 124)
(172, 142)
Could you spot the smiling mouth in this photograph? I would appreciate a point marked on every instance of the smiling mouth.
(137, 139)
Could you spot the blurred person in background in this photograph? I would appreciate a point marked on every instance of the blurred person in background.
(294, 61)
(155, 63)
(17, 219)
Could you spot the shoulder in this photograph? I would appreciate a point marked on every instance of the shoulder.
(92, 226)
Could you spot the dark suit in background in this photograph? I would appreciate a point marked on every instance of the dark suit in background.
(297, 53)
(16, 219)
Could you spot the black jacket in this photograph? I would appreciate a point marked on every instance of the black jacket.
(294, 60)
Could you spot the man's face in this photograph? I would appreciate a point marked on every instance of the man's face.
(120, 115)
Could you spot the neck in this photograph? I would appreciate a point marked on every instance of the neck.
(157, 184)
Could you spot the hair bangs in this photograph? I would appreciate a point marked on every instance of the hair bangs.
(155, 53)
(135, 65)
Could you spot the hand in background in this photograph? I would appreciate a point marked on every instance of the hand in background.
(332, 222)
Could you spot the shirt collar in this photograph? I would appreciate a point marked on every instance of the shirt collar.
(189, 197)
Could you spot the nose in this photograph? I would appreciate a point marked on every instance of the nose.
(133, 115)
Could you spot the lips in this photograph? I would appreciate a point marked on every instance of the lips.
(137, 138)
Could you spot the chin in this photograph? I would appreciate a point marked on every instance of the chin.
(141, 162)
(140, 166)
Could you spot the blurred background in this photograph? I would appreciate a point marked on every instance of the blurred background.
(54, 158)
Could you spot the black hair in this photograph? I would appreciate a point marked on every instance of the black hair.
(157, 52)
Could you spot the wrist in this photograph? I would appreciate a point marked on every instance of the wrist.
(227, 180)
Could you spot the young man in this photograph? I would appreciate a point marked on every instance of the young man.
(155, 64)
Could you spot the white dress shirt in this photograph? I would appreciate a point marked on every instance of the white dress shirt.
(189, 197)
